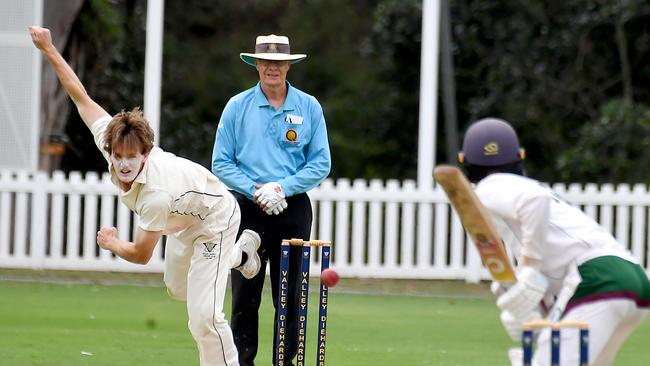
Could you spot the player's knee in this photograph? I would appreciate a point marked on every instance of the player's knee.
(177, 294)
(204, 323)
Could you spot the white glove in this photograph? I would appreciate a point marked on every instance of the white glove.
(269, 194)
(497, 288)
(523, 297)
(278, 208)
(514, 325)
(516, 356)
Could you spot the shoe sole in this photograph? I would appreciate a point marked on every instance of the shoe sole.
(257, 240)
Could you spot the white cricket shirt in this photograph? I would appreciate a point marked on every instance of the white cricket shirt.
(174, 195)
(545, 227)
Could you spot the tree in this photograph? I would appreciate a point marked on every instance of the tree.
(555, 70)
(611, 148)
(548, 67)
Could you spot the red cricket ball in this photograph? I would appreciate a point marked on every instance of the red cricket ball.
(329, 277)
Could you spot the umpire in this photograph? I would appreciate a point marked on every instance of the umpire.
(270, 148)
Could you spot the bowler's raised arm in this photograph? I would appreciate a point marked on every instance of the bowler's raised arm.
(88, 109)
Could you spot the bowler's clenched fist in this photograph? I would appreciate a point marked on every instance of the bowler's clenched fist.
(106, 236)
(41, 37)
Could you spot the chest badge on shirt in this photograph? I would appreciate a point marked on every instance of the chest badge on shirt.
(291, 135)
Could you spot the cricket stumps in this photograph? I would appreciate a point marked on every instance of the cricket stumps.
(283, 290)
(556, 327)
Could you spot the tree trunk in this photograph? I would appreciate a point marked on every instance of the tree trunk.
(58, 16)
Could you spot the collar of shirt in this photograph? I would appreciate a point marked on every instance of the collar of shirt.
(289, 102)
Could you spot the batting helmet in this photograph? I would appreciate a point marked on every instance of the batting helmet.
(490, 142)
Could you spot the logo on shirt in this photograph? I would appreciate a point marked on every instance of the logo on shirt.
(291, 135)
(208, 250)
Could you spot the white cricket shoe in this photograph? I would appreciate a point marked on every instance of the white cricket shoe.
(516, 356)
(249, 242)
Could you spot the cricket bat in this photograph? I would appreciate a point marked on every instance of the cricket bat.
(476, 222)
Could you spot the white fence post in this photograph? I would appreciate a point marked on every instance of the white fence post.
(639, 225)
(57, 213)
(89, 241)
(73, 242)
(5, 214)
(440, 235)
(21, 218)
(107, 213)
(424, 229)
(342, 228)
(375, 225)
(358, 226)
(391, 227)
(38, 220)
(408, 228)
(474, 264)
(325, 215)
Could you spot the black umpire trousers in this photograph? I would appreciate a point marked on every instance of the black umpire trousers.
(294, 222)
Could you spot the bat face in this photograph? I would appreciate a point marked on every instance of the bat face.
(476, 222)
(490, 250)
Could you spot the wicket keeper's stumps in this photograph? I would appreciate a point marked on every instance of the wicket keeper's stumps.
(527, 339)
(303, 300)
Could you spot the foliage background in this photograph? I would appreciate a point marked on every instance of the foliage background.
(571, 76)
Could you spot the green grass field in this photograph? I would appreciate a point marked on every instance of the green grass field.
(436, 323)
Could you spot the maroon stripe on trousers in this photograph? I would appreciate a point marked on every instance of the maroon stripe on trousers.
(608, 296)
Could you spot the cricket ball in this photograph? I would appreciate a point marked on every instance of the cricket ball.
(329, 277)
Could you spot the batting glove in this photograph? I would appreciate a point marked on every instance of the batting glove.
(516, 356)
(269, 194)
(522, 298)
(514, 325)
(278, 208)
(497, 288)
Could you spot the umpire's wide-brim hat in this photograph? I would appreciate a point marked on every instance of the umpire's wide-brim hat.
(271, 47)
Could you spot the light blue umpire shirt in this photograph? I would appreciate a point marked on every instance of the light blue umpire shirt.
(255, 143)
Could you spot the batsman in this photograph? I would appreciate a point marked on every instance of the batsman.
(568, 266)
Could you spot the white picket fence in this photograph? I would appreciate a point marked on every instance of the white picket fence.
(379, 229)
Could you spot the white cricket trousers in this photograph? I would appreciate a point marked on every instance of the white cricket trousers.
(198, 274)
(610, 323)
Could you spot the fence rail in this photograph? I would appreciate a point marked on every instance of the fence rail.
(379, 229)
